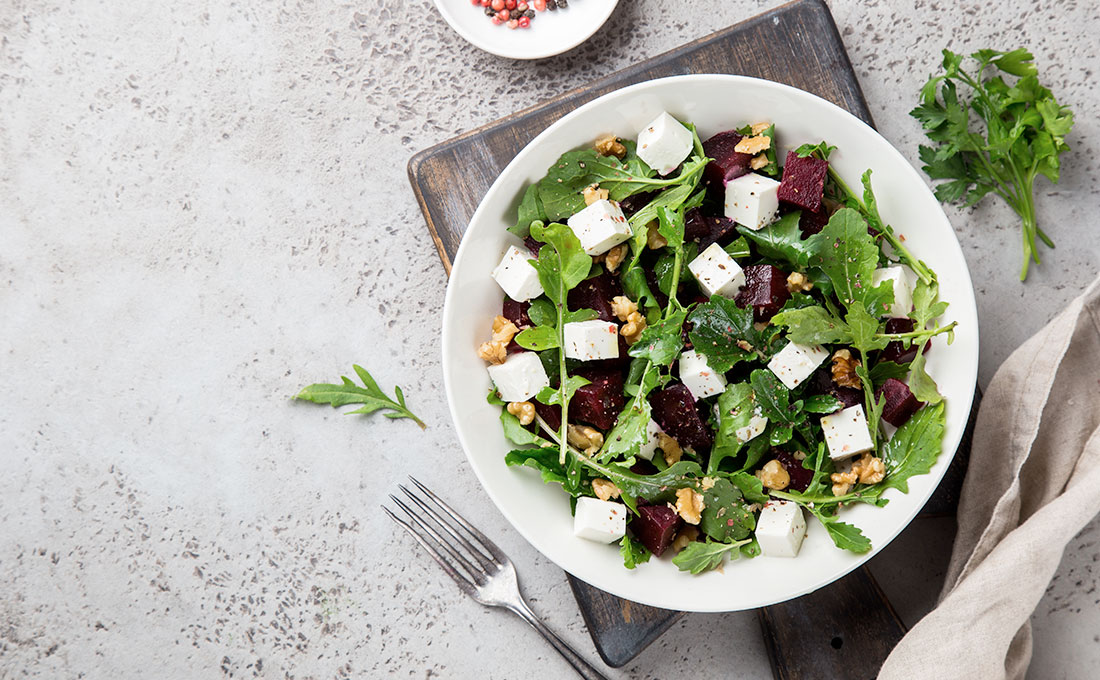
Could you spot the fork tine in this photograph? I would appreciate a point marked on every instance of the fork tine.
(486, 562)
(460, 579)
(478, 576)
(488, 545)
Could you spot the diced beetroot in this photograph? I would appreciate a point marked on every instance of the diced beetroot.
(656, 527)
(642, 466)
(897, 352)
(550, 413)
(803, 181)
(800, 476)
(900, 402)
(596, 293)
(675, 411)
(821, 382)
(516, 312)
(726, 164)
(599, 402)
(765, 289)
(532, 244)
(810, 223)
(632, 204)
(706, 229)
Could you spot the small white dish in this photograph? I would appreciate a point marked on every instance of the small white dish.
(550, 33)
(540, 512)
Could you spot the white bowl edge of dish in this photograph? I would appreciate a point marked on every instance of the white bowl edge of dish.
(540, 512)
(551, 32)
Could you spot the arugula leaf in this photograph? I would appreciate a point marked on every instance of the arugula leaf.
(781, 240)
(666, 263)
(751, 487)
(726, 334)
(820, 150)
(914, 448)
(553, 395)
(542, 312)
(725, 516)
(737, 248)
(884, 370)
(538, 338)
(633, 552)
(562, 262)
(370, 396)
(1017, 134)
(530, 210)
(926, 307)
(773, 397)
(813, 326)
(822, 403)
(847, 254)
(845, 536)
(544, 459)
(700, 557)
(735, 409)
(655, 488)
(516, 433)
(671, 226)
(629, 433)
(662, 341)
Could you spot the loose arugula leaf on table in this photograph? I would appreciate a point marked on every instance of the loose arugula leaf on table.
(1021, 135)
(725, 516)
(633, 552)
(700, 557)
(726, 333)
(370, 396)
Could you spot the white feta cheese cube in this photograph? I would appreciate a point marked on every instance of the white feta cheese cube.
(794, 363)
(717, 272)
(649, 447)
(700, 379)
(780, 529)
(752, 200)
(664, 143)
(846, 433)
(757, 423)
(600, 227)
(520, 377)
(903, 289)
(516, 275)
(591, 340)
(599, 521)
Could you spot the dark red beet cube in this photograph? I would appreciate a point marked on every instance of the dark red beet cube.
(810, 223)
(516, 312)
(599, 402)
(821, 382)
(596, 293)
(803, 181)
(550, 413)
(656, 526)
(765, 289)
(896, 351)
(532, 244)
(675, 411)
(634, 203)
(800, 476)
(706, 229)
(726, 164)
(642, 466)
(900, 402)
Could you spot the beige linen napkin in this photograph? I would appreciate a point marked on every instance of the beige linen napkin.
(1033, 484)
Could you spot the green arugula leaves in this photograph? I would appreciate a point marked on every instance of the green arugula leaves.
(700, 557)
(1021, 135)
(370, 396)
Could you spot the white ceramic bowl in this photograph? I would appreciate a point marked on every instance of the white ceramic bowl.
(540, 512)
(550, 33)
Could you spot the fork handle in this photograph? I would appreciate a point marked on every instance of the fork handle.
(583, 668)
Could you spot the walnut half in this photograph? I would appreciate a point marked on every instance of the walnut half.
(689, 505)
(844, 369)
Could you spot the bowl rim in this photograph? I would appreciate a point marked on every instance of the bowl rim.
(581, 36)
(968, 317)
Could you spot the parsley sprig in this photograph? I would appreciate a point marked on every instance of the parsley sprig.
(1021, 136)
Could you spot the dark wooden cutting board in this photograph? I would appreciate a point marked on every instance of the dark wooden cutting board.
(797, 44)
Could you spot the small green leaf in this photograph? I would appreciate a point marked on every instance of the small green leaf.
(661, 342)
(700, 557)
(544, 459)
(727, 334)
(725, 515)
(370, 396)
(538, 338)
(633, 552)
(782, 240)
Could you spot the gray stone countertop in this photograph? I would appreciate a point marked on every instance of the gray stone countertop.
(203, 207)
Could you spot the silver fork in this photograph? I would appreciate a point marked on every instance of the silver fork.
(475, 563)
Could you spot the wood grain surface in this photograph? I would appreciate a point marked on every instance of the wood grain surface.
(797, 44)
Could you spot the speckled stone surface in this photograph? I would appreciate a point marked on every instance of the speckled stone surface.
(204, 207)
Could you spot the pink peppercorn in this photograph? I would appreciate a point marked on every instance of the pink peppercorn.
(496, 20)
(498, 5)
(504, 15)
(524, 22)
(521, 6)
(510, 4)
(484, 3)
(540, 5)
(513, 24)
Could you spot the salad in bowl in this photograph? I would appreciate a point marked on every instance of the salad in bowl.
(702, 346)
(641, 374)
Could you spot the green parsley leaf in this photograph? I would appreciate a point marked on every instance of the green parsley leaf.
(370, 396)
